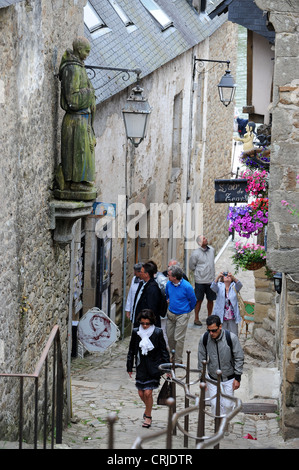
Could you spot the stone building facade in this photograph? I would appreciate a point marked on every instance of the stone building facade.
(283, 235)
(152, 175)
(41, 262)
(35, 270)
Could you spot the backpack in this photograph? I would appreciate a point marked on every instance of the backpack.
(163, 305)
(228, 340)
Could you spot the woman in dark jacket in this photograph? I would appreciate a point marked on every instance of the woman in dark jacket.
(149, 349)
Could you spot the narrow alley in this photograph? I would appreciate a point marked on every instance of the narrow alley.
(101, 386)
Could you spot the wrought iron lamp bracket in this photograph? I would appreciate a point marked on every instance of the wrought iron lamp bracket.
(126, 73)
(200, 63)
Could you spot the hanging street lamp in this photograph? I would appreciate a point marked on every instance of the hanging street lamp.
(226, 86)
(136, 111)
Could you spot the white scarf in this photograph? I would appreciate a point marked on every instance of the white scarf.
(145, 344)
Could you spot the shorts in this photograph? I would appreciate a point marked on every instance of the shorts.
(202, 289)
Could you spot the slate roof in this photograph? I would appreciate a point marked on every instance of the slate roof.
(144, 46)
(147, 47)
(246, 13)
(7, 3)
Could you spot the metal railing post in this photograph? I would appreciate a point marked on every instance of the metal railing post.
(112, 417)
(201, 413)
(53, 340)
(53, 394)
(21, 413)
(45, 402)
(59, 395)
(218, 399)
(173, 388)
(186, 419)
(35, 411)
(171, 406)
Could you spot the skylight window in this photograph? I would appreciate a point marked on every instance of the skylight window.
(159, 15)
(92, 20)
(123, 16)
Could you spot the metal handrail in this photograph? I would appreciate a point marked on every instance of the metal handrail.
(221, 422)
(57, 392)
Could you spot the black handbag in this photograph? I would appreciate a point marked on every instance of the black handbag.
(165, 393)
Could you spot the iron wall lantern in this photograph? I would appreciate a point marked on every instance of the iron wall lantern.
(136, 111)
(136, 114)
(277, 282)
(227, 85)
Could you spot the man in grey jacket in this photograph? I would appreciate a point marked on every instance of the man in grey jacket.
(202, 262)
(224, 356)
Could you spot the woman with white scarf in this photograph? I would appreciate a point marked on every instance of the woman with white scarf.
(148, 348)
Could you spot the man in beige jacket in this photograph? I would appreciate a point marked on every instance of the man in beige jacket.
(202, 263)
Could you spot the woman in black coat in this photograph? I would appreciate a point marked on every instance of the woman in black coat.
(148, 348)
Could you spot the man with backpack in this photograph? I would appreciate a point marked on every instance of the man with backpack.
(222, 351)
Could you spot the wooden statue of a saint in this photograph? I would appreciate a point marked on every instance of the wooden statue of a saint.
(76, 173)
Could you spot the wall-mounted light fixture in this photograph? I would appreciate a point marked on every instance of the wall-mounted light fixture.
(226, 86)
(136, 111)
(277, 278)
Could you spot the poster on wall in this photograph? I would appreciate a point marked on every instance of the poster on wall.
(101, 209)
(96, 331)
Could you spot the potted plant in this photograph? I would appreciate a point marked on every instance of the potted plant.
(257, 182)
(247, 160)
(249, 256)
(249, 219)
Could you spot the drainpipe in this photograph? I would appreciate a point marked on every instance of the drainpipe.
(190, 135)
(124, 279)
(70, 320)
(125, 250)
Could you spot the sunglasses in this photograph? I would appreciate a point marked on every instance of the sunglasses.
(144, 323)
(212, 331)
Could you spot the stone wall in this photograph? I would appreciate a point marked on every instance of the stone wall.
(283, 238)
(263, 343)
(34, 283)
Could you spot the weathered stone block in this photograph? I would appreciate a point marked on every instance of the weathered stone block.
(262, 283)
(260, 312)
(293, 315)
(263, 297)
(265, 339)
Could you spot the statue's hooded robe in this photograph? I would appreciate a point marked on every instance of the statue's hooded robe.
(77, 135)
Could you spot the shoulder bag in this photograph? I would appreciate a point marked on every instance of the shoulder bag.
(165, 393)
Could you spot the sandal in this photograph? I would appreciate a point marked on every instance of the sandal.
(147, 425)
(197, 322)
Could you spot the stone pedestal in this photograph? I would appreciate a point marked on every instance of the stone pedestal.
(67, 195)
(63, 216)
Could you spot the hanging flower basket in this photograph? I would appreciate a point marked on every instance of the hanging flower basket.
(249, 256)
(255, 265)
(253, 164)
(249, 219)
(257, 182)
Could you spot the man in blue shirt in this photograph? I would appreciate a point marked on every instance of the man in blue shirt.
(181, 301)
